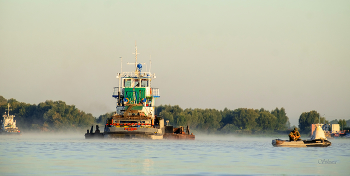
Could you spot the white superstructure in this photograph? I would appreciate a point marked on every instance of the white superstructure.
(8, 124)
(318, 133)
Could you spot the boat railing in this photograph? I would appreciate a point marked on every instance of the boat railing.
(155, 92)
(115, 92)
(136, 74)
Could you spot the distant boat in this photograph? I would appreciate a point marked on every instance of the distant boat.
(8, 124)
(318, 139)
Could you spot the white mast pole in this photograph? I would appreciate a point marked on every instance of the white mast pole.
(121, 72)
(150, 65)
(136, 57)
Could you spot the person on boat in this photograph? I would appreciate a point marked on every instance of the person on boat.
(97, 129)
(294, 135)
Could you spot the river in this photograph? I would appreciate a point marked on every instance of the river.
(71, 154)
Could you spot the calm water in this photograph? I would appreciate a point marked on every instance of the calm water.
(207, 155)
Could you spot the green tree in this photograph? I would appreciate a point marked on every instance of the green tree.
(102, 119)
(193, 116)
(227, 116)
(306, 119)
(347, 123)
(335, 121)
(323, 120)
(168, 116)
(211, 120)
(168, 112)
(244, 118)
(342, 123)
(282, 120)
(266, 121)
(2, 100)
(181, 120)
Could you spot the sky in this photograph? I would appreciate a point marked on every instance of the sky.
(205, 54)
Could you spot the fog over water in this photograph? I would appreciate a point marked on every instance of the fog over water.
(71, 154)
(206, 54)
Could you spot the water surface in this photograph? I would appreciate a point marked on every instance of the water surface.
(71, 154)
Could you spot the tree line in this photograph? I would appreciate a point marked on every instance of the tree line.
(47, 116)
(58, 116)
(241, 120)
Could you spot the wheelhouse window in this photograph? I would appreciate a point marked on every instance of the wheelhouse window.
(144, 83)
(127, 82)
(137, 83)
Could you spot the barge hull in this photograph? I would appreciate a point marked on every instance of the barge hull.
(178, 136)
(133, 135)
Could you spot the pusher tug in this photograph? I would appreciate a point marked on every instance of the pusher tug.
(8, 125)
(318, 139)
(135, 113)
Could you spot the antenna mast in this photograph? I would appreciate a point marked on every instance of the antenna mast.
(121, 72)
(135, 57)
(150, 64)
(8, 109)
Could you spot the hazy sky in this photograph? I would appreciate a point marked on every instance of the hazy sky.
(206, 54)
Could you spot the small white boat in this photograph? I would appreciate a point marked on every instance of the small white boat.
(8, 124)
(318, 139)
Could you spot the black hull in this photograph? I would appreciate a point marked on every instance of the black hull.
(129, 132)
(94, 135)
(317, 143)
(133, 136)
(179, 136)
